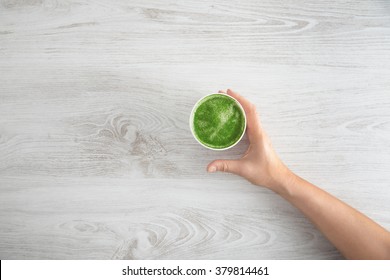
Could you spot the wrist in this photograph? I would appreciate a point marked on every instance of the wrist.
(283, 180)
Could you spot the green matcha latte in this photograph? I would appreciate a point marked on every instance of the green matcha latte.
(218, 121)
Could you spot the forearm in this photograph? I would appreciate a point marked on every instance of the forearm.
(352, 233)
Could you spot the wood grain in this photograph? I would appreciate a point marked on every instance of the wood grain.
(96, 157)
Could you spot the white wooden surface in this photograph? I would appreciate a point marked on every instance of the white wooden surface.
(96, 157)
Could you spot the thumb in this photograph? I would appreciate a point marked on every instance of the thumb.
(231, 166)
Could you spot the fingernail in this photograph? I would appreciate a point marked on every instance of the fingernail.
(212, 169)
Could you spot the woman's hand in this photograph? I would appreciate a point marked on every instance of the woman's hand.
(260, 164)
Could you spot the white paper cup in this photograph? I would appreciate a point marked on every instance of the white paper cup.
(192, 122)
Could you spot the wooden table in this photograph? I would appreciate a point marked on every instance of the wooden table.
(96, 157)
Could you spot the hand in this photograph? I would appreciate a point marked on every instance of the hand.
(354, 234)
(260, 164)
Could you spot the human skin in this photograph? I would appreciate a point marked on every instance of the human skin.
(355, 235)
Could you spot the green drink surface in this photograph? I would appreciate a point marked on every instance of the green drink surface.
(219, 121)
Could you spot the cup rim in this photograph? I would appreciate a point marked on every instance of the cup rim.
(191, 123)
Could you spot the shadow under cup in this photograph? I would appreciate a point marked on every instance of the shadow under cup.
(218, 121)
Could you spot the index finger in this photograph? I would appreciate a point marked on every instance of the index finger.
(253, 119)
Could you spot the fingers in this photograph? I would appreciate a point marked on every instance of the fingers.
(231, 166)
(254, 129)
(245, 103)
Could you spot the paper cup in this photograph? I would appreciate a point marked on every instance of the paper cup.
(192, 122)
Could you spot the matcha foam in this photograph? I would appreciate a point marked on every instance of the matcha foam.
(218, 121)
